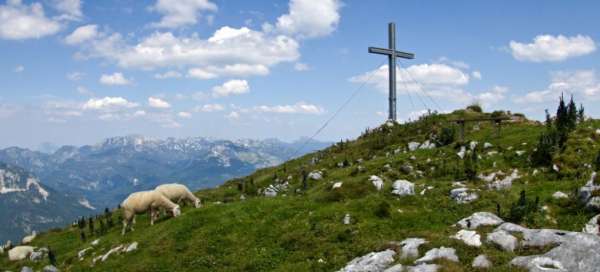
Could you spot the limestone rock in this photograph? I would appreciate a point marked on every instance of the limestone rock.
(377, 182)
(412, 146)
(347, 219)
(438, 253)
(19, 253)
(480, 219)
(463, 195)
(559, 195)
(403, 187)
(469, 237)
(337, 185)
(26, 269)
(481, 261)
(423, 268)
(374, 261)
(503, 239)
(132, 247)
(410, 247)
(592, 226)
(50, 268)
(315, 175)
(395, 268)
(427, 145)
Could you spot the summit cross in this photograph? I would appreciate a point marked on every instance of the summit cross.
(392, 55)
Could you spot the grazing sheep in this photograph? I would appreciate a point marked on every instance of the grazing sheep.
(27, 239)
(177, 193)
(20, 253)
(145, 201)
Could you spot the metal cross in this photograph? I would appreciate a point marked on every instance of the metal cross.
(392, 55)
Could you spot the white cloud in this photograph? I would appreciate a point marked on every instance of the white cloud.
(231, 87)
(178, 13)
(139, 113)
(184, 114)
(168, 74)
(309, 18)
(299, 107)
(200, 73)
(229, 51)
(108, 104)
(19, 69)
(82, 34)
(436, 80)
(20, 21)
(476, 74)
(75, 76)
(84, 91)
(238, 69)
(210, 108)
(493, 96)
(552, 48)
(299, 66)
(583, 82)
(71, 9)
(158, 103)
(114, 79)
(233, 115)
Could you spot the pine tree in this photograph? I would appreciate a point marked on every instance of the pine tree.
(561, 115)
(581, 114)
(571, 115)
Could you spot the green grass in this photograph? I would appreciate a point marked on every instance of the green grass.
(303, 230)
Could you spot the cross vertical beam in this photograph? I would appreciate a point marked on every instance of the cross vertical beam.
(392, 54)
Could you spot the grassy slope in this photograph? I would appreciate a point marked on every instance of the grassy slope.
(304, 231)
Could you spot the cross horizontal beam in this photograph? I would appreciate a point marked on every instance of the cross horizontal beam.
(388, 52)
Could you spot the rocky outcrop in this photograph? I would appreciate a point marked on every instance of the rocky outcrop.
(374, 261)
(480, 219)
(403, 187)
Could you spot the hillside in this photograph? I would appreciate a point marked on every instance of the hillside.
(273, 221)
(28, 205)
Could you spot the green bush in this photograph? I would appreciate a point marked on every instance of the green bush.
(383, 210)
(447, 136)
(475, 108)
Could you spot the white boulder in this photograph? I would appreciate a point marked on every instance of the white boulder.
(559, 195)
(412, 146)
(503, 239)
(592, 226)
(481, 261)
(463, 195)
(438, 253)
(480, 219)
(315, 175)
(20, 253)
(337, 185)
(410, 247)
(374, 261)
(377, 182)
(469, 237)
(403, 187)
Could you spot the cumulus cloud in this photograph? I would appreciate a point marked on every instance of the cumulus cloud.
(114, 79)
(552, 48)
(300, 107)
(310, 19)
(158, 103)
(70, 9)
(233, 115)
(108, 104)
(476, 74)
(238, 69)
(582, 82)
(178, 13)
(82, 34)
(231, 87)
(19, 69)
(184, 114)
(75, 76)
(493, 96)
(299, 66)
(210, 108)
(436, 80)
(168, 74)
(20, 21)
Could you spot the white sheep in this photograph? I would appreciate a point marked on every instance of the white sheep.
(178, 193)
(20, 252)
(27, 239)
(145, 201)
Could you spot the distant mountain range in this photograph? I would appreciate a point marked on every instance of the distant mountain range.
(102, 175)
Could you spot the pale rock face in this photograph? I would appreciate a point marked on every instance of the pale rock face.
(438, 253)
(559, 195)
(377, 182)
(412, 146)
(463, 195)
(592, 226)
(503, 239)
(423, 268)
(403, 187)
(480, 219)
(374, 261)
(395, 268)
(410, 247)
(481, 261)
(469, 237)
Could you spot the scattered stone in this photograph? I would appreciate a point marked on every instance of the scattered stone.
(503, 239)
(463, 195)
(473, 145)
(110, 252)
(26, 269)
(438, 253)
(410, 247)
(315, 175)
(377, 182)
(423, 268)
(374, 261)
(586, 191)
(487, 145)
(480, 219)
(395, 268)
(555, 168)
(535, 172)
(337, 185)
(481, 261)
(403, 187)
(132, 247)
(506, 182)
(347, 219)
(95, 242)
(387, 167)
(592, 226)
(274, 189)
(406, 168)
(559, 195)
(36, 256)
(242, 197)
(412, 146)
(427, 145)
(462, 152)
(492, 153)
(50, 268)
(469, 237)
(593, 204)
(82, 252)
(520, 152)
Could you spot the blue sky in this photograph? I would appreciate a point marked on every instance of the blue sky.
(75, 72)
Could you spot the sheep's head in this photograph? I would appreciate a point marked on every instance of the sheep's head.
(176, 211)
(197, 203)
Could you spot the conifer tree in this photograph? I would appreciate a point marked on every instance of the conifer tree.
(571, 115)
(581, 114)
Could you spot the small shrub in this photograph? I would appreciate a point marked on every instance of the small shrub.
(447, 136)
(383, 210)
(475, 108)
(523, 209)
